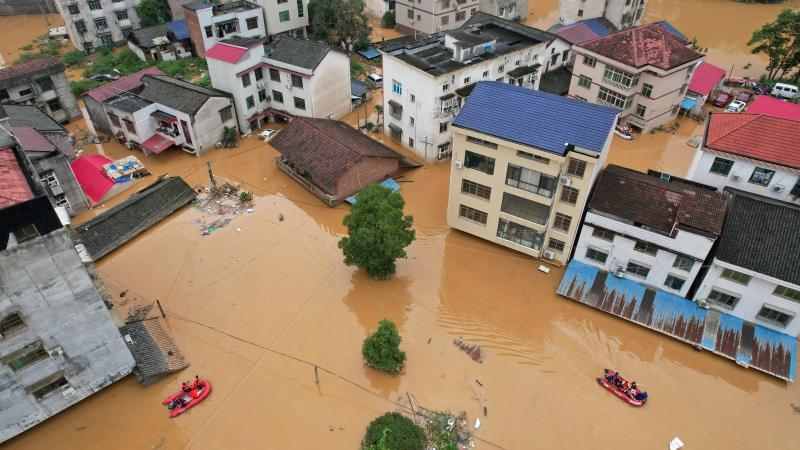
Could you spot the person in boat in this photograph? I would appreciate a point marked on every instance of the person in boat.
(641, 396)
(186, 388)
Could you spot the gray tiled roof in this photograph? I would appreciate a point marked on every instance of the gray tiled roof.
(556, 81)
(153, 350)
(298, 52)
(761, 234)
(109, 230)
(181, 95)
(143, 37)
(31, 116)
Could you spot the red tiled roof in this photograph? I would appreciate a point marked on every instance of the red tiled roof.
(92, 177)
(757, 136)
(660, 205)
(646, 45)
(31, 141)
(225, 52)
(770, 106)
(127, 83)
(326, 148)
(705, 78)
(29, 67)
(14, 187)
(157, 143)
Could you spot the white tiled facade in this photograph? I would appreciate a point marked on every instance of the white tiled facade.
(97, 23)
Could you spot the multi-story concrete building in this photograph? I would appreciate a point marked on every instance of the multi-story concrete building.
(644, 71)
(40, 82)
(285, 16)
(622, 13)
(654, 230)
(377, 8)
(209, 23)
(515, 10)
(750, 152)
(426, 80)
(58, 343)
(98, 23)
(290, 77)
(432, 16)
(524, 162)
(755, 271)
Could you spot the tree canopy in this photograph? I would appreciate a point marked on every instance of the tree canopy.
(153, 12)
(340, 21)
(780, 41)
(381, 349)
(393, 431)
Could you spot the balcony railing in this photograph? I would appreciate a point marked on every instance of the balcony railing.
(618, 85)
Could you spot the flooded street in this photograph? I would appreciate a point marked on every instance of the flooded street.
(22, 30)
(256, 304)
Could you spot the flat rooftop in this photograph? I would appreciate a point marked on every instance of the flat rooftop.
(128, 102)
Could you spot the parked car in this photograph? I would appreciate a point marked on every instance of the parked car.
(266, 134)
(722, 100)
(105, 77)
(784, 90)
(375, 79)
(736, 106)
(744, 96)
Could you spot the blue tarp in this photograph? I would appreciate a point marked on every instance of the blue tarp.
(389, 183)
(687, 103)
(179, 29)
(370, 53)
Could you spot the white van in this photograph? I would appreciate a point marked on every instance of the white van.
(376, 80)
(784, 90)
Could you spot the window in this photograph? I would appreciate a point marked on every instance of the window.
(410, 14)
(774, 315)
(485, 73)
(533, 157)
(787, 293)
(26, 356)
(48, 386)
(281, 2)
(411, 121)
(614, 99)
(530, 180)
(461, 15)
(576, 167)
(466, 80)
(640, 110)
(683, 263)
(523, 208)
(129, 125)
(796, 189)
(584, 82)
(25, 92)
(647, 90)
(94, 4)
(26, 232)
(226, 113)
(637, 269)
(556, 245)
(114, 120)
(126, 32)
(554, 59)
(299, 103)
(11, 323)
(274, 75)
(413, 98)
(569, 195)
(259, 74)
(444, 150)
(620, 77)
(519, 234)
(252, 23)
(442, 127)
(107, 39)
(721, 166)
(209, 32)
(54, 105)
(472, 214)
(445, 20)
(300, 12)
(246, 80)
(736, 277)
(761, 176)
(121, 14)
(411, 142)
(596, 255)
(80, 25)
(674, 282)
(73, 9)
(297, 81)
(283, 16)
(646, 248)
(397, 87)
(603, 233)
(251, 103)
(501, 68)
(589, 61)
(723, 299)
(277, 96)
(445, 87)
(562, 222)
(100, 23)
(482, 142)
(479, 162)
(45, 84)
(262, 95)
(580, 13)
(478, 190)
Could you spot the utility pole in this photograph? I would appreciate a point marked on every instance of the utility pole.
(211, 174)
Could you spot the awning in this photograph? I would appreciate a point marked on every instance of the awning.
(447, 96)
(466, 90)
(394, 127)
(522, 71)
(395, 104)
(164, 117)
(226, 22)
(157, 143)
(687, 103)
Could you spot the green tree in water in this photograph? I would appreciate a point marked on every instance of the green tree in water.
(378, 233)
(393, 431)
(153, 12)
(780, 41)
(340, 21)
(381, 349)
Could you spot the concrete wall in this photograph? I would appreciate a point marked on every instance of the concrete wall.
(570, 11)
(45, 282)
(296, 24)
(428, 14)
(26, 90)
(206, 18)
(330, 86)
(59, 164)
(97, 114)
(16, 7)
(554, 57)
(371, 170)
(757, 293)
(506, 9)
(208, 125)
(108, 9)
(69, 105)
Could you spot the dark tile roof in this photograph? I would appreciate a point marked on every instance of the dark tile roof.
(298, 52)
(482, 18)
(178, 94)
(127, 83)
(128, 102)
(658, 205)
(326, 148)
(31, 116)
(143, 37)
(523, 70)
(243, 41)
(10, 76)
(556, 81)
(498, 109)
(761, 234)
(646, 45)
(109, 230)
(152, 348)
(198, 6)
(358, 87)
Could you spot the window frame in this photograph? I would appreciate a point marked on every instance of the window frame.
(774, 309)
(645, 248)
(680, 258)
(473, 215)
(601, 233)
(12, 323)
(584, 81)
(251, 21)
(556, 245)
(596, 252)
(735, 276)
(722, 295)
(489, 161)
(674, 278)
(638, 267)
(786, 293)
(567, 192)
(300, 103)
(576, 167)
(283, 16)
(590, 61)
(721, 164)
(477, 190)
(760, 172)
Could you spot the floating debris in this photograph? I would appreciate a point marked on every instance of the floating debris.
(221, 223)
(474, 351)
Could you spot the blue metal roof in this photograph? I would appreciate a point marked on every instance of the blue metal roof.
(598, 27)
(668, 26)
(179, 29)
(536, 118)
(370, 53)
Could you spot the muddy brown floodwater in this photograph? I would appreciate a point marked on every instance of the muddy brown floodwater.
(264, 283)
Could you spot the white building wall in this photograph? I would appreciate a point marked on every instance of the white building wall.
(329, 87)
(779, 187)
(757, 293)
(224, 77)
(376, 8)
(620, 251)
(108, 10)
(298, 16)
(427, 15)
(206, 18)
(570, 11)
(207, 127)
(506, 9)
(558, 53)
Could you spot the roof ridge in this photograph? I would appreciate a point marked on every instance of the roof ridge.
(738, 127)
(312, 124)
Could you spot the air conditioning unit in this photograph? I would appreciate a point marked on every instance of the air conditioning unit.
(261, 84)
(458, 164)
(55, 351)
(778, 188)
(549, 254)
(736, 177)
(703, 304)
(565, 181)
(619, 271)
